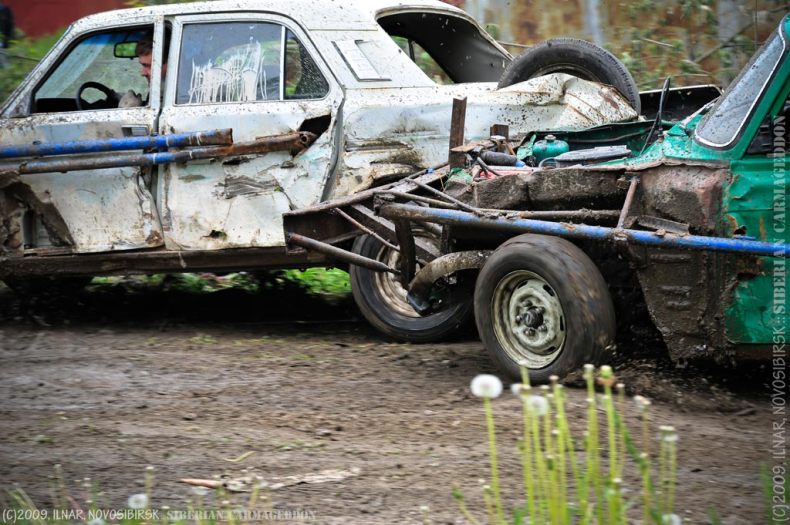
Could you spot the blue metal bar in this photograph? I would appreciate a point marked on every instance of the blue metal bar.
(583, 231)
(217, 137)
(287, 142)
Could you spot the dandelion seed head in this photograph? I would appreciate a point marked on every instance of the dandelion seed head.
(545, 388)
(588, 368)
(538, 405)
(671, 519)
(424, 508)
(149, 468)
(516, 388)
(97, 521)
(606, 372)
(554, 378)
(137, 501)
(486, 386)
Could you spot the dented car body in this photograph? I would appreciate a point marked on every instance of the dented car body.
(260, 69)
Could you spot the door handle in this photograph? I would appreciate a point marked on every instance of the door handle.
(135, 130)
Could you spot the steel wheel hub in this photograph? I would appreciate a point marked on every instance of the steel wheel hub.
(528, 319)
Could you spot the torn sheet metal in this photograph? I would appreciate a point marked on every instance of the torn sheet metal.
(393, 132)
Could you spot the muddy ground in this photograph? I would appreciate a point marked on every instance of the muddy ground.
(232, 384)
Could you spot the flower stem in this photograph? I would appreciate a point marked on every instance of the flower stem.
(492, 450)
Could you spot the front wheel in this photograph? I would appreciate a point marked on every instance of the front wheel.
(541, 302)
(382, 301)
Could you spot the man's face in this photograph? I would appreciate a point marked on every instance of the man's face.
(145, 66)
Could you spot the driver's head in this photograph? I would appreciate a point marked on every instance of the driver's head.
(144, 52)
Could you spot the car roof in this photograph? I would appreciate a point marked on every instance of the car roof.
(312, 14)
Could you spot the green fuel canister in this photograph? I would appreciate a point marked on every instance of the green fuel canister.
(548, 148)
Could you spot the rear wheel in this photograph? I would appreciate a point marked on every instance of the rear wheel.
(381, 299)
(541, 302)
(575, 57)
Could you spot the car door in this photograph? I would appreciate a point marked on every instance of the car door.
(103, 209)
(260, 75)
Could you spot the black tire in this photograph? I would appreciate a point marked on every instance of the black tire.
(382, 301)
(575, 57)
(530, 272)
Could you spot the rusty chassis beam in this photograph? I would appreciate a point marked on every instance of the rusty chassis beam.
(418, 198)
(157, 261)
(365, 229)
(338, 253)
(407, 261)
(629, 199)
(386, 228)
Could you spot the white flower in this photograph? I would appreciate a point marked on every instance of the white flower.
(137, 501)
(516, 388)
(538, 405)
(486, 385)
(668, 434)
(199, 491)
(671, 519)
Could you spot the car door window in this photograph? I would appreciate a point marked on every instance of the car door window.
(245, 62)
(303, 78)
(93, 72)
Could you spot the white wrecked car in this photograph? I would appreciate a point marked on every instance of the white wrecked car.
(324, 99)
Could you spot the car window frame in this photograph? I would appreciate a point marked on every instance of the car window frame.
(179, 21)
(73, 40)
(751, 113)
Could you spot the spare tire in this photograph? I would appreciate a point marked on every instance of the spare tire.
(575, 57)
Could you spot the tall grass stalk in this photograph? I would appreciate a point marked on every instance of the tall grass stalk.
(561, 489)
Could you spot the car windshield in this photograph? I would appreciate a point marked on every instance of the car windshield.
(721, 126)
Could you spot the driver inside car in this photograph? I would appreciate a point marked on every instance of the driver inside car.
(144, 52)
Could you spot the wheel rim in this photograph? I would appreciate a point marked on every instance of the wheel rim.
(389, 286)
(528, 319)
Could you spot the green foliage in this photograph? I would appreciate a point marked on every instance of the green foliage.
(680, 38)
(21, 57)
(321, 281)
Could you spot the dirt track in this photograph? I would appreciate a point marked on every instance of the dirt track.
(117, 382)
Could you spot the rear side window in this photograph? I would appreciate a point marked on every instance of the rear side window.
(245, 62)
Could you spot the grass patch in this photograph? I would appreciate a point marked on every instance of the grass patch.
(331, 283)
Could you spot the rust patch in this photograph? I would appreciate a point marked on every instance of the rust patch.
(11, 185)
